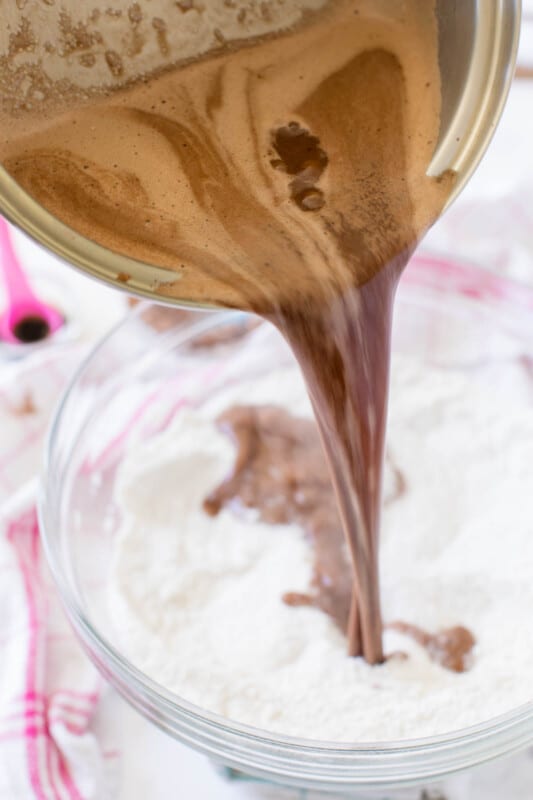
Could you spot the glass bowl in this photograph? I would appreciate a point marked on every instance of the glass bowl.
(131, 387)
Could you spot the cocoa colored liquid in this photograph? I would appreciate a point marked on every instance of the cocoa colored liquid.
(285, 176)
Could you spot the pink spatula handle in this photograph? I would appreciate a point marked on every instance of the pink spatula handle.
(22, 302)
(18, 289)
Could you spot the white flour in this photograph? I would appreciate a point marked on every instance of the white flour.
(197, 601)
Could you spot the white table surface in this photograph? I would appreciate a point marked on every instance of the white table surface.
(155, 767)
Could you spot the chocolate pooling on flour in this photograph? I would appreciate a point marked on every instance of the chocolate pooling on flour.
(280, 471)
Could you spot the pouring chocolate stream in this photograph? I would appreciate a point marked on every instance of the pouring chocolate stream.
(284, 175)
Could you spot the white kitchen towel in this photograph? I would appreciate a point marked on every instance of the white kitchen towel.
(30, 389)
(48, 688)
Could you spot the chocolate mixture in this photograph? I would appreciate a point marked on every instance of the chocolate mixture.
(288, 176)
(280, 470)
(451, 647)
